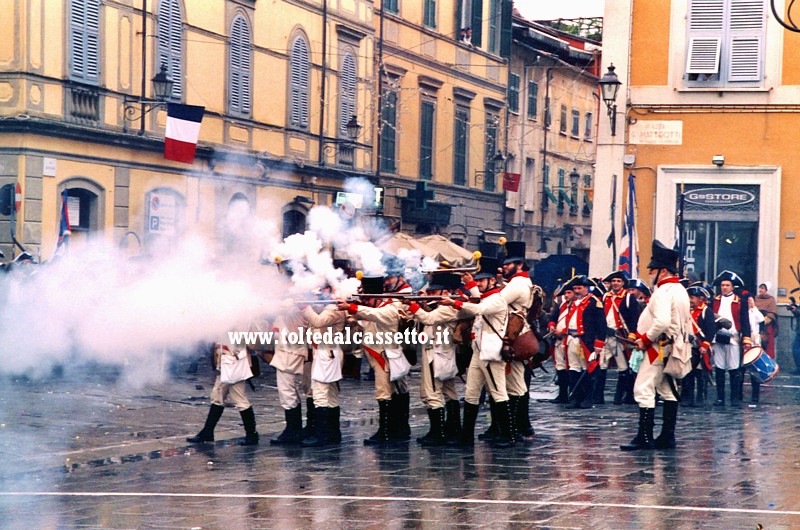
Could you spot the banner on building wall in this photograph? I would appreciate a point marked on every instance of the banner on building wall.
(183, 130)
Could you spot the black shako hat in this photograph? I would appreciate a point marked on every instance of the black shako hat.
(663, 257)
(442, 281)
(515, 251)
(488, 267)
(372, 285)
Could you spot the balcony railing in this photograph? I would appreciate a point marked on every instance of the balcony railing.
(82, 105)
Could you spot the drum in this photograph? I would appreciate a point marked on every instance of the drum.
(761, 366)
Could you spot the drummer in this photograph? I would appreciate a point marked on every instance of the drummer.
(756, 318)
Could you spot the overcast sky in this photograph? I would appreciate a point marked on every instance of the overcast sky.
(552, 9)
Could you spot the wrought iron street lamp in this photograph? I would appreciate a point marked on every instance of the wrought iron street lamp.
(609, 87)
(137, 107)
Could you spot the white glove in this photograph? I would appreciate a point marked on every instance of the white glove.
(593, 357)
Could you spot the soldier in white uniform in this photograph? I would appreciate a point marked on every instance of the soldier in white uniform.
(222, 391)
(437, 386)
(518, 294)
(326, 372)
(391, 390)
(487, 366)
(289, 362)
(663, 325)
(622, 315)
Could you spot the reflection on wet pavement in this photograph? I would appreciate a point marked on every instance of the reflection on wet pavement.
(85, 452)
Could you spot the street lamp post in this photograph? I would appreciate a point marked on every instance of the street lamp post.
(162, 88)
(609, 87)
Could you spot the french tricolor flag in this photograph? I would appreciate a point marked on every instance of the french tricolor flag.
(183, 129)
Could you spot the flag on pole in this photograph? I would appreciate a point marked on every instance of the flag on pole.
(63, 227)
(511, 181)
(629, 257)
(183, 130)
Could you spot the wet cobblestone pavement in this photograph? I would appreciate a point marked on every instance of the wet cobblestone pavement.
(89, 452)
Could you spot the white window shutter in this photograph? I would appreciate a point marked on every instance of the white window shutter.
(92, 35)
(77, 16)
(704, 55)
(170, 44)
(706, 27)
(348, 86)
(239, 66)
(299, 72)
(747, 34)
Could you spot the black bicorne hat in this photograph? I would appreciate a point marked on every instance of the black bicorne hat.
(663, 257)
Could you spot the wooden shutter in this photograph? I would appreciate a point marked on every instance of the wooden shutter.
(170, 44)
(239, 64)
(348, 88)
(84, 25)
(426, 141)
(507, 10)
(477, 23)
(706, 27)
(299, 83)
(747, 31)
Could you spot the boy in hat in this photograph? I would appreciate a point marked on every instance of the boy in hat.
(622, 314)
(703, 329)
(729, 345)
(661, 328)
(583, 340)
(557, 325)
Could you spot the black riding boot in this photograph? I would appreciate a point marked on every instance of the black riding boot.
(643, 438)
(504, 437)
(382, 436)
(491, 432)
(399, 430)
(619, 392)
(428, 434)
(702, 388)
(249, 421)
(736, 387)
(562, 380)
(755, 385)
(576, 391)
(524, 427)
(467, 438)
(628, 398)
(322, 434)
(719, 374)
(687, 389)
(293, 433)
(599, 387)
(207, 433)
(666, 440)
(437, 437)
(335, 429)
(452, 426)
(309, 428)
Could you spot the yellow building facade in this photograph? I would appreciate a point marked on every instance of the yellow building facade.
(708, 100)
(273, 140)
(280, 82)
(444, 92)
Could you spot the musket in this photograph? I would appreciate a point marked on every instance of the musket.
(315, 302)
(455, 269)
(403, 296)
